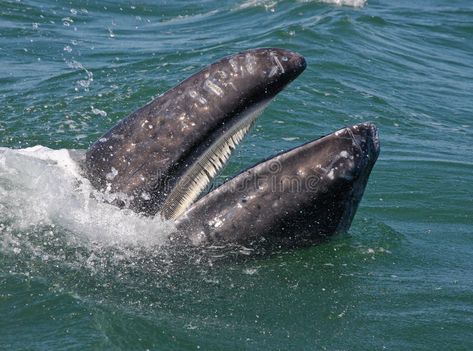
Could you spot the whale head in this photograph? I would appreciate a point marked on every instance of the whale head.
(159, 160)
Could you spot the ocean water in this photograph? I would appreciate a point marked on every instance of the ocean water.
(76, 274)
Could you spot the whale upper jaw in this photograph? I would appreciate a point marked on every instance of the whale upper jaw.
(300, 196)
(188, 132)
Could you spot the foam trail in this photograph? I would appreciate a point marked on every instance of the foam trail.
(44, 187)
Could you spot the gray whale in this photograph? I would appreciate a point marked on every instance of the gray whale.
(159, 160)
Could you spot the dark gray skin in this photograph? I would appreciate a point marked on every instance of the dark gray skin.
(298, 197)
(144, 156)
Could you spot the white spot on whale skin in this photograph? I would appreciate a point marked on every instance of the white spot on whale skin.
(216, 222)
(278, 63)
(273, 72)
(250, 63)
(230, 83)
(233, 65)
(112, 174)
(344, 154)
(330, 174)
(212, 87)
(221, 74)
(198, 238)
(340, 132)
(196, 96)
(193, 94)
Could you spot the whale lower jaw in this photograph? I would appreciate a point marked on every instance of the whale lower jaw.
(297, 197)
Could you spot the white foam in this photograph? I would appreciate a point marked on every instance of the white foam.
(44, 187)
(267, 4)
(352, 3)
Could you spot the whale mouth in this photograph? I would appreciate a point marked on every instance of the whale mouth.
(160, 159)
(209, 164)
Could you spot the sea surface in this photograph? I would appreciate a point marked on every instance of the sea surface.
(76, 274)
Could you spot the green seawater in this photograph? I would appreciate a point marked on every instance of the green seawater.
(75, 275)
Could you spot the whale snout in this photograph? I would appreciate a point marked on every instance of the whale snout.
(362, 147)
(285, 64)
(298, 62)
(366, 136)
(292, 61)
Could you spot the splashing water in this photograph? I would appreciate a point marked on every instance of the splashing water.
(41, 187)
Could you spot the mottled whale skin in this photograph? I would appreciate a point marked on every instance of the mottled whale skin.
(158, 160)
(298, 197)
(146, 154)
